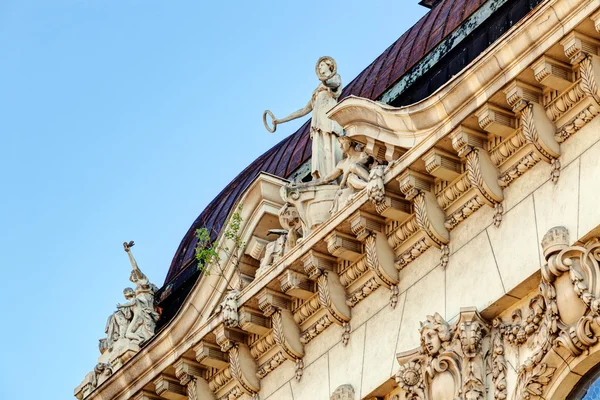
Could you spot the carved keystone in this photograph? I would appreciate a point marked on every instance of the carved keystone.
(211, 355)
(343, 246)
(363, 223)
(465, 139)
(520, 94)
(296, 285)
(315, 263)
(269, 301)
(253, 321)
(412, 183)
(169, 388)
(442, 164)
(496, 120)
(553, 73)
(578, 46)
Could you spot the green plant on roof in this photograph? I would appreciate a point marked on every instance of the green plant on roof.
(209, 253)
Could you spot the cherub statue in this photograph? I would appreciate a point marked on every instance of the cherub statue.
(142, 325)
(326, 151)
(352, 169)
(435, 335)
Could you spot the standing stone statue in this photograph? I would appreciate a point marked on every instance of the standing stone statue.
(326, 151)
(143, 322)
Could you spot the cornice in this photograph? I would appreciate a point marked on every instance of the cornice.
(421, 125)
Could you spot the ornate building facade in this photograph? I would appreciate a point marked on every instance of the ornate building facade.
(432, 233)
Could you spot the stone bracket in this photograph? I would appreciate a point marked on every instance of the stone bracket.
(332, 297)
(482, 187)
(252, 320)
(170, 388)
(269, 301)
(578, 46)
(464, 139)
(427, 228)
(553, 73)
(363, 224)
(256, 247)
(520, 94)
(296, 285)
(228, 337)
(193, 375)
(343, 246)
(315, 263)
(211, 355)
(243, 369)
(412, 183)
(442, 164)
(145, 395)
(496, 120)
(286, 333)
(186, 369)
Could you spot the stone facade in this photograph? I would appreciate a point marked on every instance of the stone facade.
(454, 252)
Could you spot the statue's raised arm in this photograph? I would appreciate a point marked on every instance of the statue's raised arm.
(136, 273)
(326, 152)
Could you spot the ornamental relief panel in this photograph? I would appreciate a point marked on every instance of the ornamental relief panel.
(468, 358)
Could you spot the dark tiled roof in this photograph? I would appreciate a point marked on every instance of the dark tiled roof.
(289, 154)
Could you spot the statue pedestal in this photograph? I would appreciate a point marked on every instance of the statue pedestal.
(122, 351)
(313, 203)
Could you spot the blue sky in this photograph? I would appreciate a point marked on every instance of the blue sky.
(121, 120)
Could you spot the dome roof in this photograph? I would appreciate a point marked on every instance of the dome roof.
(289, 154)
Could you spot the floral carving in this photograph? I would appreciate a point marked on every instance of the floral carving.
(375, 188)
(410, 378)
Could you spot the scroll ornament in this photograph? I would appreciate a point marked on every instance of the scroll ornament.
(449, 363)
(564, 316)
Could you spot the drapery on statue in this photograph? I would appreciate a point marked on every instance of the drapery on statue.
(326, 151)
(116, 326)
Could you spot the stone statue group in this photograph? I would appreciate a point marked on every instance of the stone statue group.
(136, 319)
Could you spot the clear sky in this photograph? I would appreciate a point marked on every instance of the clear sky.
(121, 120)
